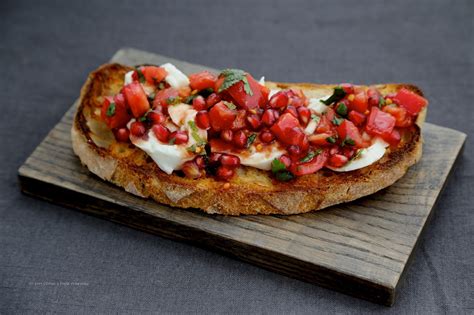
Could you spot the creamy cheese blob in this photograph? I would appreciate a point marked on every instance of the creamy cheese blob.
(317, 106)
(128, 78)
(175, 77)
(366, 157)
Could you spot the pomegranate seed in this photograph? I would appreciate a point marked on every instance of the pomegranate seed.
(348, 152)
(122, 134)
(161, 132)
(230, 160)
(202, 120)
(292, 110)
(294, 150)
(200, 161)
(227, 135)
(156, 117)
(191, 170)
(240, 139)
(224, 172)
(285, 159)
(214, 158)
(304, 115)
(137, 129)
(269, 117)
(266, 136)
(279, 100)
(178, 137)
(254, 121)
(199, 103)
(212, 99)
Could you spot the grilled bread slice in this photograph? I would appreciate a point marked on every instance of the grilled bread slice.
(251, 191)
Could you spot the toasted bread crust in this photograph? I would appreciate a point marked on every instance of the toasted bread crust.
(252, 191)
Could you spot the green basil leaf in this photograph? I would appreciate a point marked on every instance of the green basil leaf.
(111, 110)
(233, 76)
(336, 96)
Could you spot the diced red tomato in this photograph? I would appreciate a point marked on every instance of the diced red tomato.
(119, 116)
(310, 167)
(330, 114)
(240, 96)
(379, 122)
(347, 130)
(348, 88)
(392, 138)
(373, 97)
(338, 160)
(153, 74)
(202, 80)
(402, 118)
(324, 125)
(287, 130)
(162, 97)
(136, 98)
(360, 102)
(411, 101)
(357, 118)
(221, 116)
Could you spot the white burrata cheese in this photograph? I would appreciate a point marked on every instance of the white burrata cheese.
(366, 157)
(175, 77)
(317, 106)
(168, 157)
(128, 78)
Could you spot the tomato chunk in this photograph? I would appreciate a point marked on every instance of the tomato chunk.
(221, 117)
(136, 98)
(402, 118)
(379, 122)
(348, 131)
(114, 112)
(287, 129)
(357, 118)
(239, 95)
(300, 169)
(163, 97)
(392, 138)
(360, 102)
(411, 101)
(202, 80)
(153, 74)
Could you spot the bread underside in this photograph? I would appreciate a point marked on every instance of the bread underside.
(251, 191)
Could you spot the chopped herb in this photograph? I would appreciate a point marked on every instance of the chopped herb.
(284, 176)
(172, 141)
(347, 141)
(190, 98)
(173, 100)
(341, 109)
(331, 140)
(233, 76)
(141, 76)
(195, 133)
(336, 96)
(358, 154)
(194, 149)
(251, 139)
(315, 118)
(381, 102)
(337, 121)
(279, 169)
(111, 110)
(278, 166)
(230, 105)
(311, 155)
(142, 119)
(161, 86)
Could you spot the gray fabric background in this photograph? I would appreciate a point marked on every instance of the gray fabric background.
(46, 50)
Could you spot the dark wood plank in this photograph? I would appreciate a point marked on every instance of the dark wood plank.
(360, 248)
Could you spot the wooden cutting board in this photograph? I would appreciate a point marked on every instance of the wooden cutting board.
(360, 248)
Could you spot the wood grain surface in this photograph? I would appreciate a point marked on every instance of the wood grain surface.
(361, 248)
